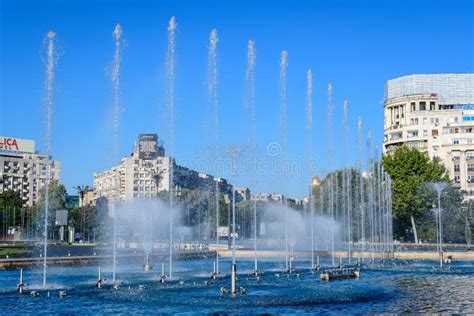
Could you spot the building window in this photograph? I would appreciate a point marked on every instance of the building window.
(457, 168)
(432, 106)
(470, 167)
(425, 120)
(412, 134)
(470, 179)
(425, 133)
(413, 144)
(413, 106)
(457, 179)
(396, 136)
(434, 132)
(422, 106)
(456, 141)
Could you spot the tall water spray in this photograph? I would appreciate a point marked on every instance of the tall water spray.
(390, 216)
(284, 138)
(381, 202)
(250, 103)
(370, 192)
(170, 76)
(377, 199)
(347, 177)
(309, 129)
(439, 187)
(51, 60)
(330, 153)
(360, 184)
(212, 91)
(117, 35)
(115, 77)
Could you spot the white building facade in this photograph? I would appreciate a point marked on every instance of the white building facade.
(24, 170)
(434, 113)
(147, 172)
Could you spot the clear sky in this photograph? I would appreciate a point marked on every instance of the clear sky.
(355, 45)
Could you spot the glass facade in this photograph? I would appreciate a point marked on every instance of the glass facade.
(451, 88)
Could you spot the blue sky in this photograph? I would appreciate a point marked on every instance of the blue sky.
(355, 45)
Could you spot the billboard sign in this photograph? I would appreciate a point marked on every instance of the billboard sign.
(61, 218)
(16, 145)
(147, 146)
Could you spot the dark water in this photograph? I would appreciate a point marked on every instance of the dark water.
(391, 287)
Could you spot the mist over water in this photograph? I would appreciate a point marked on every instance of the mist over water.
(145, 220)
(277, 217)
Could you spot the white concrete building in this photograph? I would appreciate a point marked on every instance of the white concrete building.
(268, 197)
(24, 170)
(243, 194)
(434, 113)
(147, 172)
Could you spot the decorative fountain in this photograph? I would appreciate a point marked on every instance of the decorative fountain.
(343, 221)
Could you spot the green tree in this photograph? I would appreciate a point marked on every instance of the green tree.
(410, 170)
(11, 208)
(90, 221)
(468, 222)
(10, 198)
(56, 201)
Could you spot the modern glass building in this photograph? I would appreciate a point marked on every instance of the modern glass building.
(450, 88)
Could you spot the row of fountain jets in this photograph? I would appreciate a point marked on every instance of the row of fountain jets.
(365, 212)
